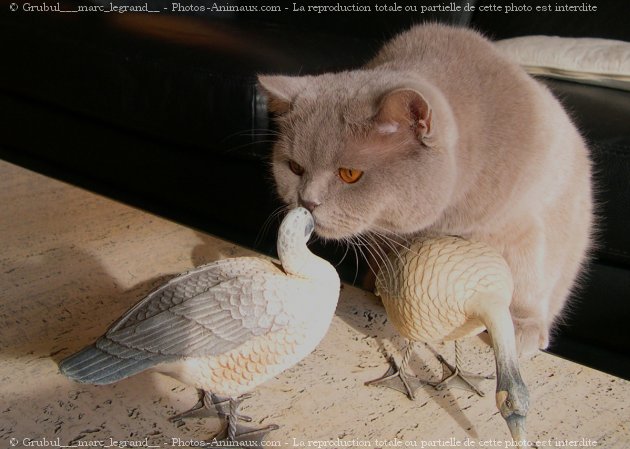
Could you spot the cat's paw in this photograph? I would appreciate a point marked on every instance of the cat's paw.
(531, 335)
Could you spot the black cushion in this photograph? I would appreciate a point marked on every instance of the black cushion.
(186, 78)
(602, 115)
(608, 21)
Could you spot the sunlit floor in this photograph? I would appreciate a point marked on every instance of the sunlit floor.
(72, 262)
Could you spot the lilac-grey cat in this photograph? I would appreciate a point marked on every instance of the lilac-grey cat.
(442, 134)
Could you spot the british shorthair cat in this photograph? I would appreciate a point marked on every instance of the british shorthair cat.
(442, 134)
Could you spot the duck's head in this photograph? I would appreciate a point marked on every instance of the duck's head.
(293, 235)
(295, 231)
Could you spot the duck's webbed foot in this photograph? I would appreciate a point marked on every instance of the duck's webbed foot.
(199, 410)
(454, 377)
(397, 378)
(209, 404)
(233, 431)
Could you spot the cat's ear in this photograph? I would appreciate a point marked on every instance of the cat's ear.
(281, 91)
(404, 108)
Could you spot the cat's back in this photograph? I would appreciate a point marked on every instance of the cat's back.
(437, 43)
(452, 57)
(485, 88)
(489, 96)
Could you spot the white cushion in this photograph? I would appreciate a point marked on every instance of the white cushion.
(588, 60)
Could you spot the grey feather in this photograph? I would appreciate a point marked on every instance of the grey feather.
(197, 313)
(190, 284)
(95, 366)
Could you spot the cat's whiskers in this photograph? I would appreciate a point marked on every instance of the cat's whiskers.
(386, 258)
(383, 244)
(348, 243)
(248, 144)
(394, 239)
(253, 133)
(361, 246)
(377, 255)
(276, 214)
(316, 238)
(372, 246)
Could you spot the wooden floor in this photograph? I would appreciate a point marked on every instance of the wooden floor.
(71, 262)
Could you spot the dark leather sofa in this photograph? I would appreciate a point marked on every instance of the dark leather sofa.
(162, 111)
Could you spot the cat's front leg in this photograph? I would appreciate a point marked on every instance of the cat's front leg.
(533, 286)
(531, 335)
(529, 310)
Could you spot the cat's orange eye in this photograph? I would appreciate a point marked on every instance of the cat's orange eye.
(350, 175)
(296, 168)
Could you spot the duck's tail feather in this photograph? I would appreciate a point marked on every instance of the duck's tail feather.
(95, 366)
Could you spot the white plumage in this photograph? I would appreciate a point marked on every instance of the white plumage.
(225, 327)
(448, 288)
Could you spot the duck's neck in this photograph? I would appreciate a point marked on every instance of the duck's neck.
(300, 262)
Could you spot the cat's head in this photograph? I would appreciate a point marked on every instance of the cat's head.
(364, 151)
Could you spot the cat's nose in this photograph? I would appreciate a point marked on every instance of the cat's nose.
(310, 205)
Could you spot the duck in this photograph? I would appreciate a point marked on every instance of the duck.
(224, 328)
(447, 288)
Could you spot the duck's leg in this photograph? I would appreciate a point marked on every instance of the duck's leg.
(201, 408)
(512, 396)
(233, 430)
(397, 378)
(456, 377)
(227, 410)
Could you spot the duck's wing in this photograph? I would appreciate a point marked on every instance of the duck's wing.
(209, 310)
(209, 323)
(190, 284)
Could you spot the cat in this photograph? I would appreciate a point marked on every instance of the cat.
(442, 134)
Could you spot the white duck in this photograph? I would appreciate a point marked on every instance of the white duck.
(448, 288)
(225, 327)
